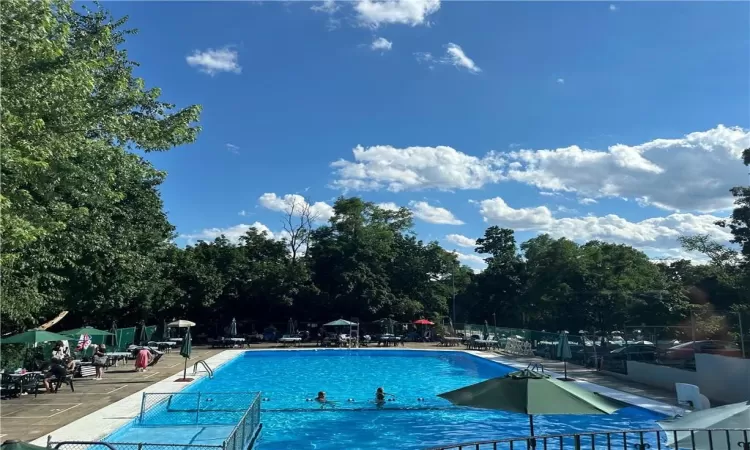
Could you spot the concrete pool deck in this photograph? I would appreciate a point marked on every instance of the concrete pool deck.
(99, 408)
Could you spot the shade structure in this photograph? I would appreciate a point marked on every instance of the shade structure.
(736, 415)
(34, 336)
(233, 328)
(181, 324)
(423, 322)
(18, 445)
(563, 351)
(185, 351)
(339, 323)
(531, 393)
(91, 331)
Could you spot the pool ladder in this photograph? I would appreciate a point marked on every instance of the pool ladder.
(205, 365)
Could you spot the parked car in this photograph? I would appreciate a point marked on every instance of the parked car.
(635, 352)
(687, 350)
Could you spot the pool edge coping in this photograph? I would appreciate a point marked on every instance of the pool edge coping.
(105, 421)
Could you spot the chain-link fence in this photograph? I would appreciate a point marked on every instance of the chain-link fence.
(196, 408)
(247, 429)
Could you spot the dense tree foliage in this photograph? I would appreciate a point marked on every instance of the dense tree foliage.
(84, 228)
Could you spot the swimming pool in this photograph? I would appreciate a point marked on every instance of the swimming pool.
(289, 379)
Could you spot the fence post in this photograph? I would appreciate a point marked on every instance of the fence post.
(143, 406)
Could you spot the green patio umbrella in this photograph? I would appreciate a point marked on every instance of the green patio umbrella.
(34, 337)
(563, 352)
(91, 331)
(18, 445)
(531, 393)
(185, 351)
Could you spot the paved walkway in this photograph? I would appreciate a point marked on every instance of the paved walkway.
(28, 418)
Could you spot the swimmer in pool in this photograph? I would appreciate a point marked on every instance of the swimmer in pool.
(321, 398)
(380, 396)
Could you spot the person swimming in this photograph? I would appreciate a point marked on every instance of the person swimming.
(380, 398)
(323, 400)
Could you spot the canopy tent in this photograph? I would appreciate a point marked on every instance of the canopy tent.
(532, 393)
(339, 323)
(91, 331)
(735, 416)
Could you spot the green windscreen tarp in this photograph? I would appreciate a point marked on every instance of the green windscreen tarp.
(125, 338)
(150, 331)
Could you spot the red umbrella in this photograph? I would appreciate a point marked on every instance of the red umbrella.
(423, 322)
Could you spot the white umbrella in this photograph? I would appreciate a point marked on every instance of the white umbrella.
(181, 324)
(734, 416)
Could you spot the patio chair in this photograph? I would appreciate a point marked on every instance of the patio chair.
(56, 382)
(8, 386)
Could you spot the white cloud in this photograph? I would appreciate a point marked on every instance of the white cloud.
(454, 56)
(389, 206)
(214, 61)
(381, 44)
(587, 201)
(374, 13)
(233, 233)
(326, 6)
(433, 214)
(320, 210)
(612, 7)
(648, 235)
(233, 149)
(561, 81)
(692, 173)
(472, 260)
(457, 58)
(414, 168)
(242, 213)
(461, 240)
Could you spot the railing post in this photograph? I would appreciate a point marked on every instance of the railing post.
(577, 440)
(198, 410)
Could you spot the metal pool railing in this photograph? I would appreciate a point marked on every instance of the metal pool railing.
(85, 445)
(692, 439)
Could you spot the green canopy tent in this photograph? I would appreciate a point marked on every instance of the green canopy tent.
(97, 336)
(532, 393)
(339, 323)
(185, 352)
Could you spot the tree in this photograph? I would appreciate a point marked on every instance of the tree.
(739, 224)
(82, 221)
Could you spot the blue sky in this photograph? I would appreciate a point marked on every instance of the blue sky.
(589, 120)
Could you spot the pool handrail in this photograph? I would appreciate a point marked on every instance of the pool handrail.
(532, 441)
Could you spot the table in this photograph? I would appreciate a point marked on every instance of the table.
(177, 340)
(118, 356)
(290, 341)
(389, 340)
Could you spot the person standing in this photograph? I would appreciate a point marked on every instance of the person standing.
(100, 360)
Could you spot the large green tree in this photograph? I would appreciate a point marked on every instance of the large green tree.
(82, 222)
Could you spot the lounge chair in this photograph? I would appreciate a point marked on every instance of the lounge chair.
(157, 357)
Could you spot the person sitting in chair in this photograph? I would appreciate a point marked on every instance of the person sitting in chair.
(57, 373)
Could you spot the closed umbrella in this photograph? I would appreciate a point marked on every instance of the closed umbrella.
(34, 337)
(486, 333)
(290, 327)
(735, 416)
(233, 328)
(563, 352)
(185, 351)
(532, 393)
(166, 332)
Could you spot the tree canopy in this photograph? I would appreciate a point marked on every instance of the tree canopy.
(84, 228)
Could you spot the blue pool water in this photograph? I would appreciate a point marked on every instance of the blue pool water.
(288, 379)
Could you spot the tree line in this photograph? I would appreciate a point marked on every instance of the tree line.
(84, 228)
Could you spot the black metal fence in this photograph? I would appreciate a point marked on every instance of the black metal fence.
(694, 439)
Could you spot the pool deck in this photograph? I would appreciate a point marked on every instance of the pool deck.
(114, 401)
